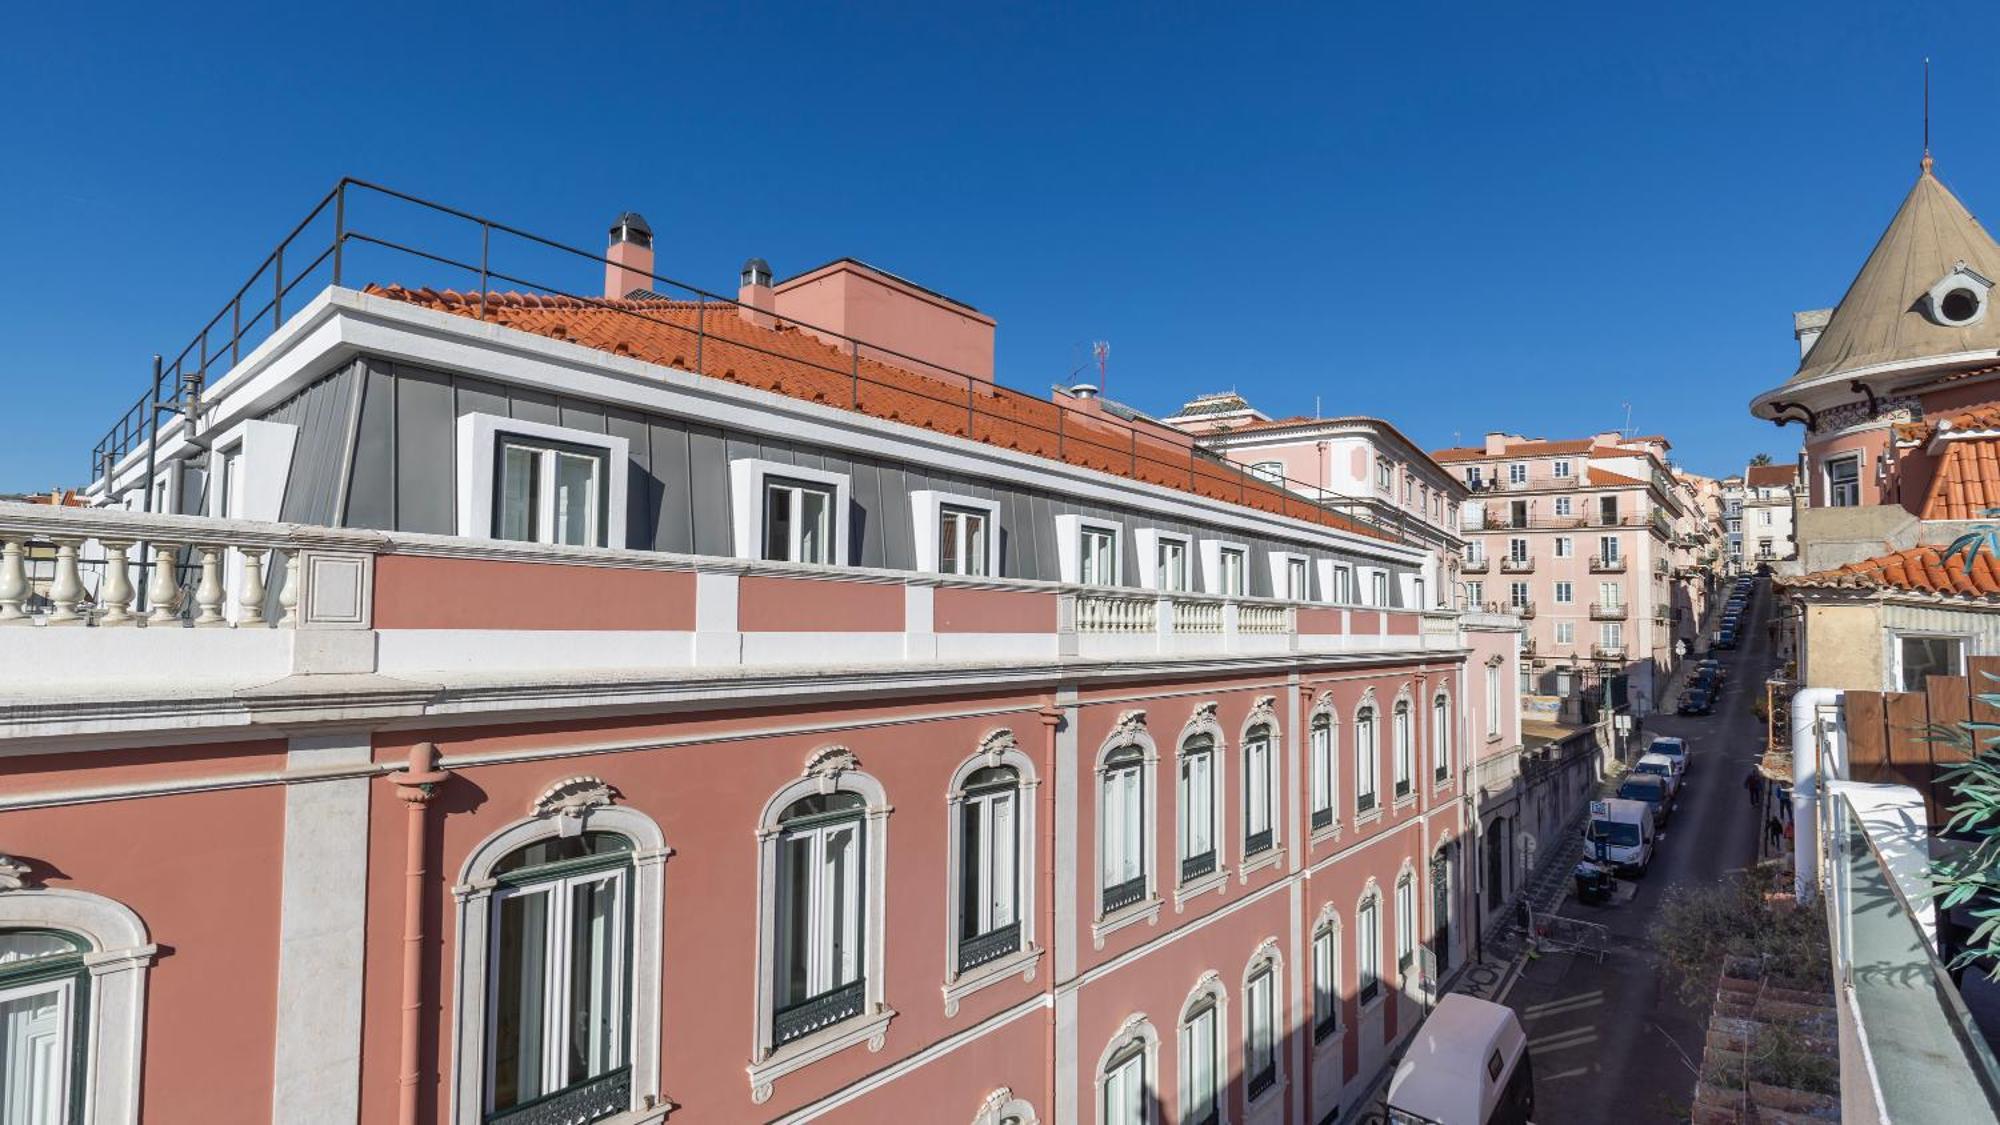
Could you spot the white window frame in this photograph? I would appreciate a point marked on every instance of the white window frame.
(1323, 757)
(1563, 506)
(1612, 634)
(1272, 471)
(1149, 541)
(1367, 755)
(1378, 588)
(1564, 547)
(1069, 548)
(1201, 727)
(1407, 924)
(1212, 551)
(1895, 662)
(1443, 722)
(1336, 582)
(1517, 473)
(1565, 593)
(1211, 998)
(1565, 632)
(1283, 565)
(927, 507)
(829, 770)
(1324, 986)
(1135, 1035)
(1268, 783)
(1608, 548)
(748, 477)
(1403, 739)
(119, 958)
(998, 748)
(1492, 701)
(475, 896)
(1267, 963)
(1147, 908)
(1826, 472)
(479, 438)
(1368, 946)
(1561, 469)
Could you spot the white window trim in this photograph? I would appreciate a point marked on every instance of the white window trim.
(1148, 540)
(747, 476)
(1826, 476)
(1147, 909)
(120, 955)
(1405, 700)
(1208, 989)
(1372, 890)
(1330, 584)
(266, 466)
(1139, 1030)
(1069, 548)
(1371, 769)
(1280, 562)
(1328, 922)
(927, 515)
(1211, 566)
(1895, 661)
(1268, 957)
(829, 770)
(1203, 724)
(474, 895)
(1364, 586)
(1442, 755)
(1001, 1106)
(998, 748)
(1409, 926)
(1265, 716)
(478, 446)
(1324, 708)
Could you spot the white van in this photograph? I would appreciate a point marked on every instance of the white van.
(1467, 1065)
(1620, 833)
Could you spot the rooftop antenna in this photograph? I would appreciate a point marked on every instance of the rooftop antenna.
(1315, 406)
(1100, 350)
(1628, 419)
(1927, 113)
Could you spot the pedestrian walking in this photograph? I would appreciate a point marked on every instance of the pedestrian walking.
(1753, 784)
(1774, 831)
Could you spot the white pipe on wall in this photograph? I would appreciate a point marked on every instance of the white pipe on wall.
(1806, 777)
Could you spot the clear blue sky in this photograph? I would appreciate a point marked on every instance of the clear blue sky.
(1511, 217)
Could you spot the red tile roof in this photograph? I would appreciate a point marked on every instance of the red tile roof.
(1771, 476)
(790, 362)
(1517, 449)
(1966, 485)
(1917, 570)
(1602, 478)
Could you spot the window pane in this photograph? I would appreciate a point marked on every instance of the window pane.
(975, 544)
(815, 526)
(843, 870)
(795, 904)
(1201, 1066)
(948, 529)
(520, 985)
(519, 466)
(1929, 656)
(972, 862)
(778, 522)
(576, 500)
(1004, 847)
(596, 1021)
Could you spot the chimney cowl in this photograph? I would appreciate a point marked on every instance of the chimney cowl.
(1084, 390)
(632, 227)
(756, 271)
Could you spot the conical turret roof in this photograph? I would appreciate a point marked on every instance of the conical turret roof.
(1884, 318)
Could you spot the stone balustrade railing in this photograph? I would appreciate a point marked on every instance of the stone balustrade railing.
(1197, 616)
(1115, 613)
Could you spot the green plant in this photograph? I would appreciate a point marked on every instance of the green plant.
(1783, 1057)
(1740, 915)
(1975, 873)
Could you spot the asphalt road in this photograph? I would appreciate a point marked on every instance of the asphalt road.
(1610, 1041)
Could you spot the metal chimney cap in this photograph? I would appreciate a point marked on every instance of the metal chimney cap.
(1084, 390)
(632, 227)
(756, 271)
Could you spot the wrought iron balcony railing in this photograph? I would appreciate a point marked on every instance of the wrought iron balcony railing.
(1601, 611)
(1601, 565)
(1121, 895)
(989, 946)
(816, 1012)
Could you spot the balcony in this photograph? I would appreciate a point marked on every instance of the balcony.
(1480, 565)
(1602, 565)
(1605, 611)
(990, 946)
(814, 1013)
(1662, 567)
(1525, 609)
(1607, 652)
(1512, 565)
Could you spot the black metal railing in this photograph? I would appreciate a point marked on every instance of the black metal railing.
(1402, 788)
(591, 1100)
(362, 228)
(816, 1012)
(1195, 866)
(989, 946)
(1257, 843)
(1327, 1022)
(1322, 818)
(1371, 987)
(1264, 1078)
(1364, 803)
(1122, 895)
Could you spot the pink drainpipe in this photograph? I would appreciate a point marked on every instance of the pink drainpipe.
(415, 787)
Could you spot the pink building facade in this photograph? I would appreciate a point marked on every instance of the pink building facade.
(474, 718)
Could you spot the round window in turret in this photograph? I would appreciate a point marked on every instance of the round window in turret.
(1959, 306)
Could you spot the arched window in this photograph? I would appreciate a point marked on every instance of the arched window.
(1203, 1064)
(1126, 1073)
(1441, 736)
(1406, 923)
(1406, 752)
(992, 864)
(824, 843)
(72, 1004)
(1263, 1016)
(1326, 975)
(558, 976)
(1365, 750)
(561, 1020)
(44, 996)
(1122, 832)
(1324, 752)
(1368, 945)
(1198, 807)
(1259, 791)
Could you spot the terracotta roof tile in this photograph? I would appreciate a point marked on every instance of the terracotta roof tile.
(1984, 416)
(790, 362)
(1917, 570)
(1600, 478)
(1966, 485)
(1771, 476)
(1517, 449)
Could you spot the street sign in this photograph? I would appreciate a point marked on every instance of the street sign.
(1598, 810)
(1427, 970)
(1624, 721)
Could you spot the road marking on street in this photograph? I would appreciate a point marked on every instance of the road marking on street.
(1563, 1006)
(1579, 1072)
(1563, 1041)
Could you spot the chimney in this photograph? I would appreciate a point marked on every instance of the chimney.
(1807, 326)
(755, 301)
(1497, 442)
(629, 262)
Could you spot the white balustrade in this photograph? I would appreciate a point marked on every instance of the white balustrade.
(288, 594)
(208, 594)
(1262, 619)
(1197, 616)
(13, 583)
(116, 596)
(250, 603)
(1101, 613)
(67, 589)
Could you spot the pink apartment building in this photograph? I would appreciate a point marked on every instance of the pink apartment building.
(1601, 546)
(469, 706)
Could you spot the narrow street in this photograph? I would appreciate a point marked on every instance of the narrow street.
(1611, 1041)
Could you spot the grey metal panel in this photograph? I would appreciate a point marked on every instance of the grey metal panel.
(893, 516)
(477, 396)
(194, 488)
(1044, 564)
(580, 415)
(642, 501)
(319, 414)
(371, 491)
(673, 529)
(533, 406)
(708, 490)
(426, 425)
(1017, 534)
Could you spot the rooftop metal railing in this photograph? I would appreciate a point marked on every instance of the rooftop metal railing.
(361, 229)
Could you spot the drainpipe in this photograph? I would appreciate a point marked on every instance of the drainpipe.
(1051, 717)
(1806, 777)
(415, 787)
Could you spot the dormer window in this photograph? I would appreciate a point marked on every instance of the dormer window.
(1959, 298)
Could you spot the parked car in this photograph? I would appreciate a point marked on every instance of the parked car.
(1713, 667)
(1726, 639)
(1706, 681)
(1671, 747)
(1661, 766)
(1469, 1065)
(1696, 701)
(1620, 832)
(1650, 789)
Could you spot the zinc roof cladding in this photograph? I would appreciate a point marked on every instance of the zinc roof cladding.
(1883, 317)
(711, 339)
(1771, 476)
(1921, 570)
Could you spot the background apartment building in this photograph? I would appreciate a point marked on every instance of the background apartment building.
(1768, 501)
